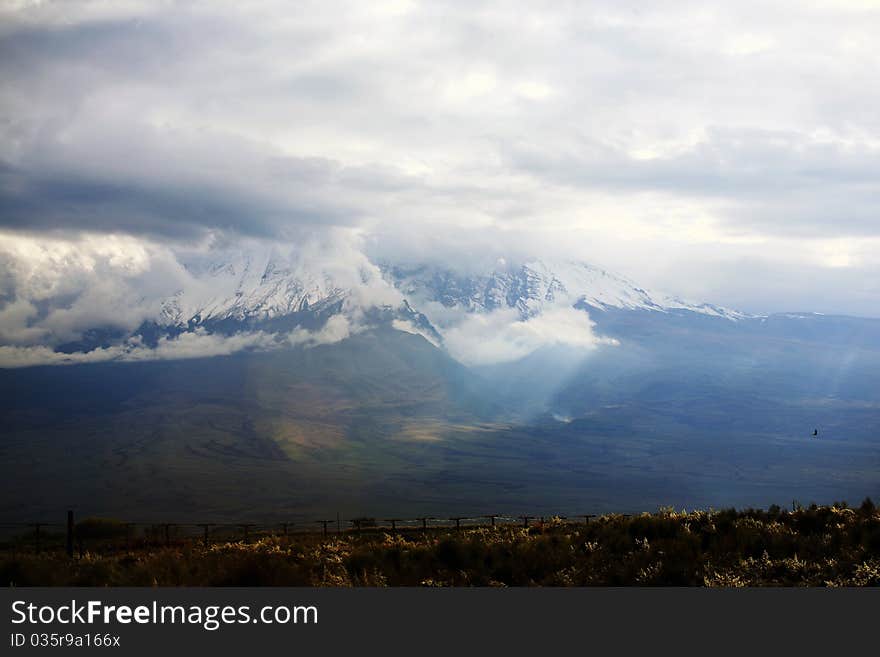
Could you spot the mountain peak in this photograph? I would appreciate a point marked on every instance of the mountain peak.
(531, 286)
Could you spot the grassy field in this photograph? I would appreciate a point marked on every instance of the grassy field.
(815, 546)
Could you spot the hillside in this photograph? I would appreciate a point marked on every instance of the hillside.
(274, 383)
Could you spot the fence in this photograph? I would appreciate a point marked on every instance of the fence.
(106, 535)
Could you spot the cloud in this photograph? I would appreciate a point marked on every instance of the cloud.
(14, 357)
(608, 131)
(501, 336)
(764, 182)
(52, 288)
(195, 344)
(143, 180)
(200, 344)
(336, 329)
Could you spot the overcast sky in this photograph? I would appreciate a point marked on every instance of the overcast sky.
(727, 152)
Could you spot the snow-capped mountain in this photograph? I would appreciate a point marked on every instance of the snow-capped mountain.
(254, 287)
(278, 291)
(297, 295)
(533, 286)
(250, 286)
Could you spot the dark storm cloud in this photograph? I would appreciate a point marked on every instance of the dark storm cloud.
(35, 201)
(74, 169)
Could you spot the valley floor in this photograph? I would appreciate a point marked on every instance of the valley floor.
(815, 546)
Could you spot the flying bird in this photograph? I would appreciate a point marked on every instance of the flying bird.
(815, 432)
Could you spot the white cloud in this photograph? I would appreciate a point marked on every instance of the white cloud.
(13, 356)
(749, 44)
(196, 344)
(200, 344)
(336, 329)
(15, 328)
(59, 286)
(533, 90)
(501, 336)
(55, 287)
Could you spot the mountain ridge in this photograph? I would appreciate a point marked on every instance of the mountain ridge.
(293, 296)
(250, 288)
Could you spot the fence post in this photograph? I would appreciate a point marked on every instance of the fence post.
(205, 526)
(525, 520)
(70, 533)
(37, 526)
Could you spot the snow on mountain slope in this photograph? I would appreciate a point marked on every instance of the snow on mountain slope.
(502, 314)
(246, 289)
(250, 285)
(532, 287)
(262, 296)
(265, 283)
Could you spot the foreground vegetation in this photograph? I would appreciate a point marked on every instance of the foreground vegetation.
(816, 546)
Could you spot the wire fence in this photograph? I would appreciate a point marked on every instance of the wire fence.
(110, 535)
